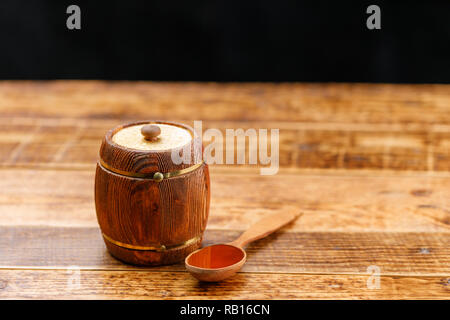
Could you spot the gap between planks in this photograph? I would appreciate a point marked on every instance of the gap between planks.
(421, 150)
(406, 254)
(330, 203)
(287, 125)
(149, 270)
(246, 170)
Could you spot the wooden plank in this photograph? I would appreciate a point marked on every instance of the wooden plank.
(62, 284)
(360, 103)
(398, 221)
(75, 143)
(284, 252)
(330, 201)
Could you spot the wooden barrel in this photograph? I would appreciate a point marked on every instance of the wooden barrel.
(151, 209)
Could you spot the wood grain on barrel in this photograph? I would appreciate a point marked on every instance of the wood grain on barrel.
(146, 213)
(146, 161)
(367, 164)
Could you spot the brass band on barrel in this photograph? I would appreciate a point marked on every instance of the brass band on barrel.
(158, 248)
(157, 176)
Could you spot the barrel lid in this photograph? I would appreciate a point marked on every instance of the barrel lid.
(143, 148)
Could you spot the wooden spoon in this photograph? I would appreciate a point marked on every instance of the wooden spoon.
(220, 261)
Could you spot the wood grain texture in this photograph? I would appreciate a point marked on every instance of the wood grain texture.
(368, 165)
(267, 225)
(146, 213)
(62, 143)
(55, 284)
(130, 160)
(348, 103)
(331, 201)
(404, 253)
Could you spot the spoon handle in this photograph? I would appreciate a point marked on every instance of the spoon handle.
(266, 226)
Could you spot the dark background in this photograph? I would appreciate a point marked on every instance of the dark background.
(233, 40)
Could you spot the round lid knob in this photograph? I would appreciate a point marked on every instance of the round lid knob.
(151, 132)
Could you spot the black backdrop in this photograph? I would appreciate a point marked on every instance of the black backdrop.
(228, 40)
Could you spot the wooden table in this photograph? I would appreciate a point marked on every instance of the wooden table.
(369, 165)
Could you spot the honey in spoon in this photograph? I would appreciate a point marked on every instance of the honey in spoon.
(220, 261)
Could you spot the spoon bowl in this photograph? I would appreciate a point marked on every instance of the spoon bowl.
(216, 262)
(220, 261)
